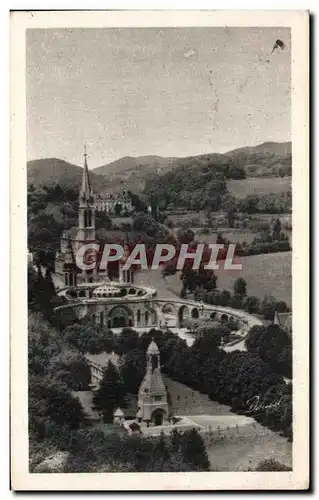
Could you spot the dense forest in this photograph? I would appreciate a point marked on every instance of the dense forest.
(201, 184)
(194, 187)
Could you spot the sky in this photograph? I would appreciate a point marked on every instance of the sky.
(153, 91)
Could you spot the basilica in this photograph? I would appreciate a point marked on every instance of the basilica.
(66, 271)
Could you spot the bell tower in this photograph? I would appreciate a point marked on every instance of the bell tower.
(152, 397)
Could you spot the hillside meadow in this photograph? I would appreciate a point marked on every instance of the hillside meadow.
(258, 186)
(267, 274)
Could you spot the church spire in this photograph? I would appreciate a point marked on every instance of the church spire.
(86, 189)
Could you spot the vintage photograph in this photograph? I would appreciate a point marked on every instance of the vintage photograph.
(159, 249)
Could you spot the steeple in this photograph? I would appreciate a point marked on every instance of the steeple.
(86, 193)
(86, 226)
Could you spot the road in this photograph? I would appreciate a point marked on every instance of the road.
(154, 279)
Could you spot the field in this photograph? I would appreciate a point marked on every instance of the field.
(243, 450)
(240, 444)
(232, 235)
(258, 186)
(267, 274)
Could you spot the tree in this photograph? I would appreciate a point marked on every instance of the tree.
(240, 287)
(252, 304)
(137, 203)
(72, 369)
(146, 224)
(273, 345)
(170, 268)
(127, 341)
(276, 229)
(110, 394)
(268, 307)
(185, 236)
(133, 370)
(118, 209)
(89, 337)
(271, 465)
(51, 401)
(194, 450)
(196, 278)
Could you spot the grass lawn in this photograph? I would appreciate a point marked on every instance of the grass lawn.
(186, 401)
(232, 236)
(258, 186)
(243, 450)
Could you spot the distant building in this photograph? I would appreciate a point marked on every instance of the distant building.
(284, 320)
(114, 204)
(98, 363)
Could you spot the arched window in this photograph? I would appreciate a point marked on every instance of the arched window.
(146, 318)
(138, 316)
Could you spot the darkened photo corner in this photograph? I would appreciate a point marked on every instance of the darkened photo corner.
(159, 198)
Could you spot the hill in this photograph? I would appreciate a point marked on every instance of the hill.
(140, 163)
(55, 171)
(269, 159)
(267, 154)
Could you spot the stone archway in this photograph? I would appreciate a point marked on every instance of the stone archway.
(158, 417)
(195, 313)
(120, 317)
(169, 314)
(183, 314)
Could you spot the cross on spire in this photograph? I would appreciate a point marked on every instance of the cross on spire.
(86, 190)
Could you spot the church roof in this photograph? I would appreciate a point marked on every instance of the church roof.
(135, 427)
(152, 384)
(152, 348)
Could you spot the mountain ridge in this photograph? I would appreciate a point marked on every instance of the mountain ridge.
(263, 160)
